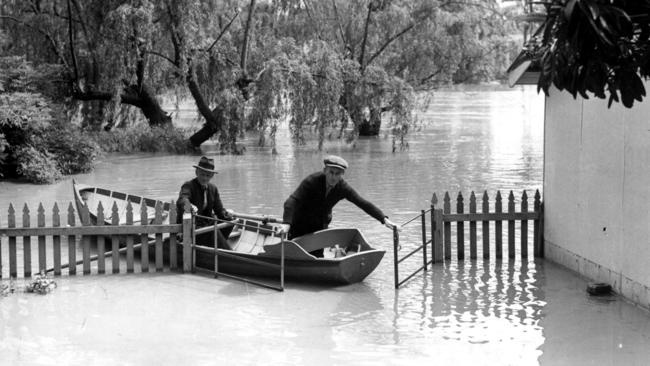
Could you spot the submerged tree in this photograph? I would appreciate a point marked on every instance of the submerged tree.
(324, 66)
(103, 46)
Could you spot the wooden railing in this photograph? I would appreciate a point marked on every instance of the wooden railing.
(439, 232)
(130, 237)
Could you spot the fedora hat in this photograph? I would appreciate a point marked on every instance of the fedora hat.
(206, 164)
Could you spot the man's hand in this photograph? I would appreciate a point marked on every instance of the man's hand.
(282, 228)
(194, 209)
(229, 215)
(389, 224)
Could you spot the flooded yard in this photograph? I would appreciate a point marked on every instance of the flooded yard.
(471, 312)
(466, 313)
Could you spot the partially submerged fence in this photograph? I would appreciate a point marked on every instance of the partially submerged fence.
(438, 233)
(129, 237)
(148, 243)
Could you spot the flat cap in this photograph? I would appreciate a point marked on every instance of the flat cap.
(336, 162)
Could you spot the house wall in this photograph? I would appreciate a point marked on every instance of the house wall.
(597, 191)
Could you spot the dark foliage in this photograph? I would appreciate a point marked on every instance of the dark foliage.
(595, 46)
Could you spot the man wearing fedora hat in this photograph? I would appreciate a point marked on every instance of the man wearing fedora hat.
(204, 200)
(309, 208)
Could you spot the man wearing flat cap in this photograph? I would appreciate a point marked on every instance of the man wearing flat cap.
(204, 200)
(309, 208)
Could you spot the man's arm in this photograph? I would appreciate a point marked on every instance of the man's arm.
(371, 209)
(287, 215)
(289, 209)
(368, 207)
(351, 195)
(185, 197)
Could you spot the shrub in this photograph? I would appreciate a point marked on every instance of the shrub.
(73, 151)
(36, 165)
(35, 146)
(143, 138)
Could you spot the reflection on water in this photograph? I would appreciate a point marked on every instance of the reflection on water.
(497, 312)
(487, 308)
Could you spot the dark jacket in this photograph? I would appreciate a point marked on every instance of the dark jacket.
(308, 209)
(192, 192)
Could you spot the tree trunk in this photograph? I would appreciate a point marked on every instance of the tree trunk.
(365, 126)
(371, 126)
(138, 97)
(152, 109)
(201, 135)
(213, 123)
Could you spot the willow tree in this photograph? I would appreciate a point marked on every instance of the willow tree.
(324, 66)
(388, 49)
(103, 46)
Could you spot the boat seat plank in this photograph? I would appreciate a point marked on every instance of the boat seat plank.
(271, 240)
(291, 251)
(249, 242)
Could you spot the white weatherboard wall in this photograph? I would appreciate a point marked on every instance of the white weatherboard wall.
(597, 191)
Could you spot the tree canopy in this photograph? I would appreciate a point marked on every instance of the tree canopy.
(329, 68)
(600, 47)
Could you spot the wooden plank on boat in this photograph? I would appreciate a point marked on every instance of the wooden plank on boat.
(249, 239)
(291, 251)
(271, 240)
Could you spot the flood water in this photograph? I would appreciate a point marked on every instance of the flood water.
(496, 312)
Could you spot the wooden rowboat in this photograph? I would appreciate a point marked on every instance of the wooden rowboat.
(255, 247)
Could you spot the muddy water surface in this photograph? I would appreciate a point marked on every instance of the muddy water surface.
(499, 312)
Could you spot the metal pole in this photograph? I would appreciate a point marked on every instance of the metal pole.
(216, 251)
(424, 238)
(395, 262)
(193, 244)
(433, 235)
(283, 236)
